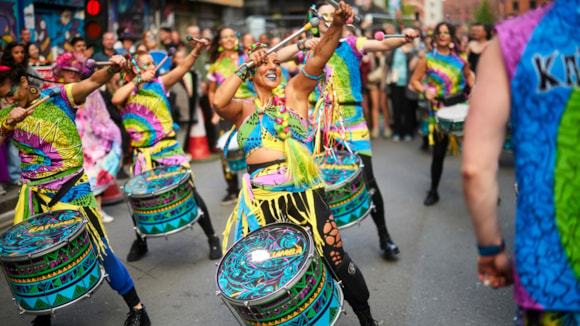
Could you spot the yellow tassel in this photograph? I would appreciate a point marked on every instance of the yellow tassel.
(301, 166)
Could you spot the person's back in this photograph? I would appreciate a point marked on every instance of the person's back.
(541, 58)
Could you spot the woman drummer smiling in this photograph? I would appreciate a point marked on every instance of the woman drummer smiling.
(283, 182)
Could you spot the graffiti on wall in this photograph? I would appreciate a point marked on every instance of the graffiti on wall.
(8, 22)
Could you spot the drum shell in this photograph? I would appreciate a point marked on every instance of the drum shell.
(56, 276)
(166, 210)
(450, 120)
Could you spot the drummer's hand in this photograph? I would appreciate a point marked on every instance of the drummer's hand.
(430, 94)
(257, 57)
(17, 115)
(215, 119)
(311, 43)
(148, 75)
(342, 14)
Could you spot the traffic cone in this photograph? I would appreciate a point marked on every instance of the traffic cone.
(198, 146)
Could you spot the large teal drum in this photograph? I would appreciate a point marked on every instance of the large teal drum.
(163, 201)
(49, 261)
(274, 276)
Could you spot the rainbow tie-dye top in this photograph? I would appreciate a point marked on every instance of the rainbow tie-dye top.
(48, 140)
(147, 115)
(541, 56)
(224, 67)
(445, 72)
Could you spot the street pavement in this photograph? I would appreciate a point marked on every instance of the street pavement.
(433, 282)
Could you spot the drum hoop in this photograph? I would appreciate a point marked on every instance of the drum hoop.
(159, 191)
(350, 179)
(291, 283)
(52, 248)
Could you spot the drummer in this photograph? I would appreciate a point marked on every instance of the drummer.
(447, 74)
(52, 164)
(225, 55)
(284, 182)
(343, 70)
(147, 118)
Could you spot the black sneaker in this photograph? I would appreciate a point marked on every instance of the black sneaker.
(42, 320)
(215, 249)
(431, 199)
(137, 317)
(366, 319)
(138, 250)
(391, 250)
(229, 199)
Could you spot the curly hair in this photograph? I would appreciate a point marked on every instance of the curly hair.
(213, 51)
(8, 59)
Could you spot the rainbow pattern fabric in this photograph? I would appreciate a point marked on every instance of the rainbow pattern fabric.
(445, 73)
(540, 52)
(47, 140)
(224, 67)
(147, 118)
(343, 70)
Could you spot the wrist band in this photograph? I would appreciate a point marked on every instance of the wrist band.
(193, 54)
(309, 76)
(491, 250)
(137, 80)
(244, 72)
(301, 45)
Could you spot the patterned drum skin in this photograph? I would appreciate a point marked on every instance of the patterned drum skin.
(162, 200)
(274, 276)
(49, 261)
(450, 119)
(346, 190)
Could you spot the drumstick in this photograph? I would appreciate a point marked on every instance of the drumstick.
(189, 38)
(312, 23)
(54, 92)
(379, 36)
(170, 53)
(91, 63)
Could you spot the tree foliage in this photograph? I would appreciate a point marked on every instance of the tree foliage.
(484, 14)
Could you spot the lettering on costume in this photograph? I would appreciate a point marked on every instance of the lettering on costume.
(546, 66)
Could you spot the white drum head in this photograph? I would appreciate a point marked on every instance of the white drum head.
(221, 143)
(456, 112)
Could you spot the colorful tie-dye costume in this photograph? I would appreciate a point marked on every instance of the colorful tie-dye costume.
(53, 178)
(540, 51)
(343, 71)
(101, 140)
(224, 67)
(147, 119)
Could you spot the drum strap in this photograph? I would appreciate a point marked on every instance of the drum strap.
(65, 188)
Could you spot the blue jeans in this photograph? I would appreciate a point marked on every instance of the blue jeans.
(13, 162)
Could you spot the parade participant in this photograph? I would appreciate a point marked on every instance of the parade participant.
(100, 136)
(153, 142)
(343, 68)
(523, 78)
(225, 57)
(52, 167)
(481, 35)
(283, 181)
(447, 73)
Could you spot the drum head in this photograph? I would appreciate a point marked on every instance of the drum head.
(40, 233)
(232, 146)
(339, 168)
(258, 266)
(157, 180)
(456, 112)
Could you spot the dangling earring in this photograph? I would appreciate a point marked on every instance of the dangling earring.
(237, 46)
(315, 31)
(221, 48)
(451, 45)
(33, 90)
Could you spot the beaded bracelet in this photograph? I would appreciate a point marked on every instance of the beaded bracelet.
(244, 72)
(301, 45)
(137, 80)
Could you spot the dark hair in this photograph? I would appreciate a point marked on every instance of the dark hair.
(215, 44)
(14, 74)
(456, 44)
(76, 39)
(488, 29)
(8, 59)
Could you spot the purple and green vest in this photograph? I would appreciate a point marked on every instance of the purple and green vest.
(541, 52)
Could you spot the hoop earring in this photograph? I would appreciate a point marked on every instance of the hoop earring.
(220, 49)
(237, 45)
(33, 90)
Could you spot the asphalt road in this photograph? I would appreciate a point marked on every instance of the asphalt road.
(433, 283)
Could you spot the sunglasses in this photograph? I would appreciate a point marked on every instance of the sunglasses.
(13, 90)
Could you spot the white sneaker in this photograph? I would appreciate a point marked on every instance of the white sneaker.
(106, 217)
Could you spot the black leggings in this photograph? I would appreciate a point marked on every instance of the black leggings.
(204, 221)
(378, 214)
(439, 151)
(355, 289)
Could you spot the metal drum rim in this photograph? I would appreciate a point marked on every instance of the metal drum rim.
(267, 298)
(52, 248)
(160, 191)
(350, 178)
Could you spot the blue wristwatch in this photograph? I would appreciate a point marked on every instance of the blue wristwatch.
(491, 250)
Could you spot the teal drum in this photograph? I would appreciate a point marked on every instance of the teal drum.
(450, 119)
(346, 188)
(234, 156)
(274, 276)
(162, 201)
(49, 261)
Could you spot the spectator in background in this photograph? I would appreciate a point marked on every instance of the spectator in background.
(166, 39)
(25, 37)
(15, 54)
(481, 35)
(34, 57)
(79, 45)
(176, 39)
(185, 100)
(148, 39)
(207, 33)
(247, 41)
(265, 39)
(108, 48)
(126, 42)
